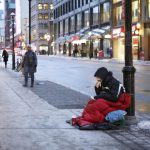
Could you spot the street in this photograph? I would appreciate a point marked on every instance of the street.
(77, 74)
(35, 117)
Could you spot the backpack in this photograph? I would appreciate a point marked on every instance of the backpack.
(30, 58)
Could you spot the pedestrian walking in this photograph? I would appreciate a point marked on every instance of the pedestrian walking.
(29, 64)
(5, 57)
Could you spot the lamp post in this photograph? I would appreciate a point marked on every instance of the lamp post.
(29, 21)
(13, 50)
(129, 70)
(91, 46)
(47, 37)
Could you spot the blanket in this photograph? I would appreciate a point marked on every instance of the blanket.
(96, 110)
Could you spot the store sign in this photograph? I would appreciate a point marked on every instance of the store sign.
(123, 10)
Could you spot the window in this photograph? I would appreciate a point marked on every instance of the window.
(46, 16)
(86, 1)
(45, 25)
(41, 36)
(105, 12)
(148, 8)
(95, 16)
(45, 6)
(72, 24)
(116, 1)
(51, 6)
(86, 18)
(82, 2)
(119, 15)
(66, 26)
(79, 21)
(40, 16)
(78, 3)
(135, 11)
(40, 6)
(61, 27)
(40, 26)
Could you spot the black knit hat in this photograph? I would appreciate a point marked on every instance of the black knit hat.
(101, 73)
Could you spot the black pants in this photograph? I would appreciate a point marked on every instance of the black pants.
(5, 64)
(26, 78)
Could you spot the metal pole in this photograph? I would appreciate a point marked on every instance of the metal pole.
(29, 21)
(13, 50)
(129, 70)
(48, 47)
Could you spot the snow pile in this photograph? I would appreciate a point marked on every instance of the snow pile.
(144, 125)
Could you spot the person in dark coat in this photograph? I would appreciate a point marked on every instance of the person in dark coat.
(107, 87)
(29, 64)
(5, 57)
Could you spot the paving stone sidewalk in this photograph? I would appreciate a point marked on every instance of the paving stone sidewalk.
(34, 119)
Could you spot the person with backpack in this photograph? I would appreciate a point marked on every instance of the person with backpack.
(29, 64)
(5, 57)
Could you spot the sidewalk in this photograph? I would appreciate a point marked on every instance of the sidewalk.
(28, 122)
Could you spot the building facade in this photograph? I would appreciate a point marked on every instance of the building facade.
(41, 25)
(82, 25)
(91, 26)
(1, 29)
(9, 7)
(22, 17)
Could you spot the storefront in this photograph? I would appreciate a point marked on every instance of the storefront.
(119, 42)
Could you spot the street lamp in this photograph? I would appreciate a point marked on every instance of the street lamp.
(13, 50)
(47, 37)
(129, 70)
(29, 21)
(91, 46)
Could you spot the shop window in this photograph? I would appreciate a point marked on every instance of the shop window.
(40, 16)
(135, 11)
(105, 12)
(45, 6)
(46, 16)
(40, 6)
(95, 15)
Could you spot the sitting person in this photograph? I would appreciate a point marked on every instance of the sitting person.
(107, 87)
(110, 96)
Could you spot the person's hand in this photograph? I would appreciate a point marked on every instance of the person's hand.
(98, 84)
(92, 97)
